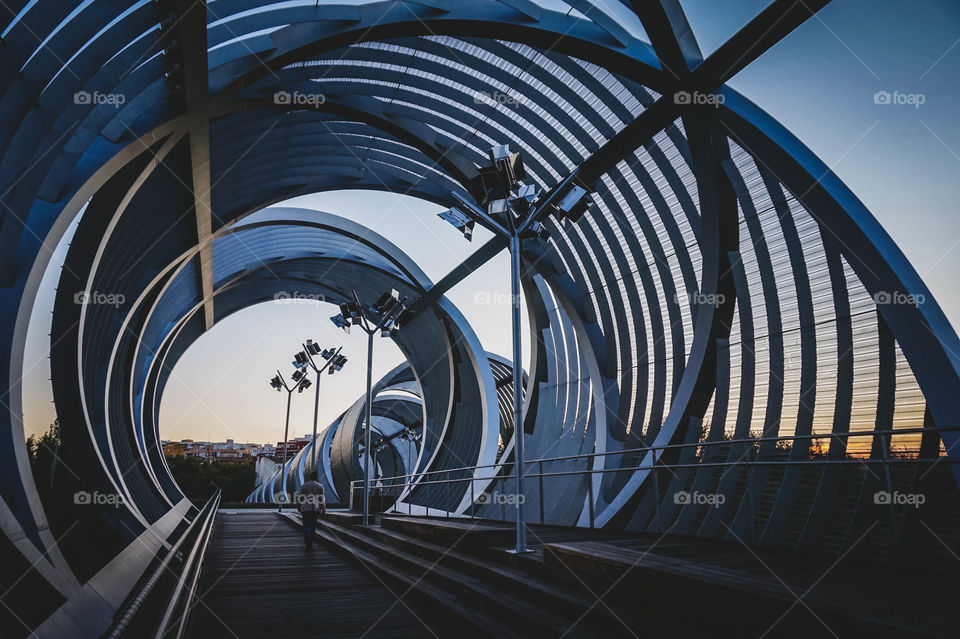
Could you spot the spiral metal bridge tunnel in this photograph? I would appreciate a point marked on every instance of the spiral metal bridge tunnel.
(726, 318)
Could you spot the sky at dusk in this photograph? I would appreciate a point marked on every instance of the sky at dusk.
(901, 159)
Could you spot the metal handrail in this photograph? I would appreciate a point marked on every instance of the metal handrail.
(406, 484)
(702, 444)
(600, 471)
(191, 573)
(130, 613)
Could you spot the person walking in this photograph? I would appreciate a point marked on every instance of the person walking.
(312, 504)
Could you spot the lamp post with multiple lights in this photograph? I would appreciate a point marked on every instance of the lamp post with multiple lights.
(386, 313)
(300, 382)
(515, 211)
(334, 362)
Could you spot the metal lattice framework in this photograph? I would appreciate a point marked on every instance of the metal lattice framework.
(724, 286)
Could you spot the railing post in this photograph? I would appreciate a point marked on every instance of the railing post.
(885, 443)
(503, 515)
(749, 495)
(656, 491)
(590, 488)
(540, 473)
(473, 499)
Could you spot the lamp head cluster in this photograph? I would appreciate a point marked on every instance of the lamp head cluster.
(386, 312)
(301, 380)
(508, 203)
(336, 364)
(499, 178)
(276, 384)
(411, 435)
(334, 360)
(351, 312)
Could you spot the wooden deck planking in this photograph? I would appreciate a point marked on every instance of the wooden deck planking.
(260, 581)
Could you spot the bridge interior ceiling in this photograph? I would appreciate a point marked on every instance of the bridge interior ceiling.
(724, 284)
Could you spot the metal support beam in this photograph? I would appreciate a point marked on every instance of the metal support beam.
(193, 39)
(758, 36)
(479, 257)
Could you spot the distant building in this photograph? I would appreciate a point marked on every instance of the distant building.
(211, 451)
(292, 447)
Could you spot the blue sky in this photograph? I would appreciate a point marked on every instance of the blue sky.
(902, 160)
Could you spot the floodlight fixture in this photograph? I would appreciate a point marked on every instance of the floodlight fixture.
(574, 203)
(341, 322)
(460, 221)
(536, 230)
(497, 208)
(509, 165)
(351, 312)
(386, 304)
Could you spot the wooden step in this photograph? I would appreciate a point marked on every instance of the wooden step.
(403, 585)
(721, 591)
(586, 612)
(525, 617)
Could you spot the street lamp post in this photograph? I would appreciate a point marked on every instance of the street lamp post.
(300, 382)
(334, 362)
(411, 436)
(386, 312)
(515, 211)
